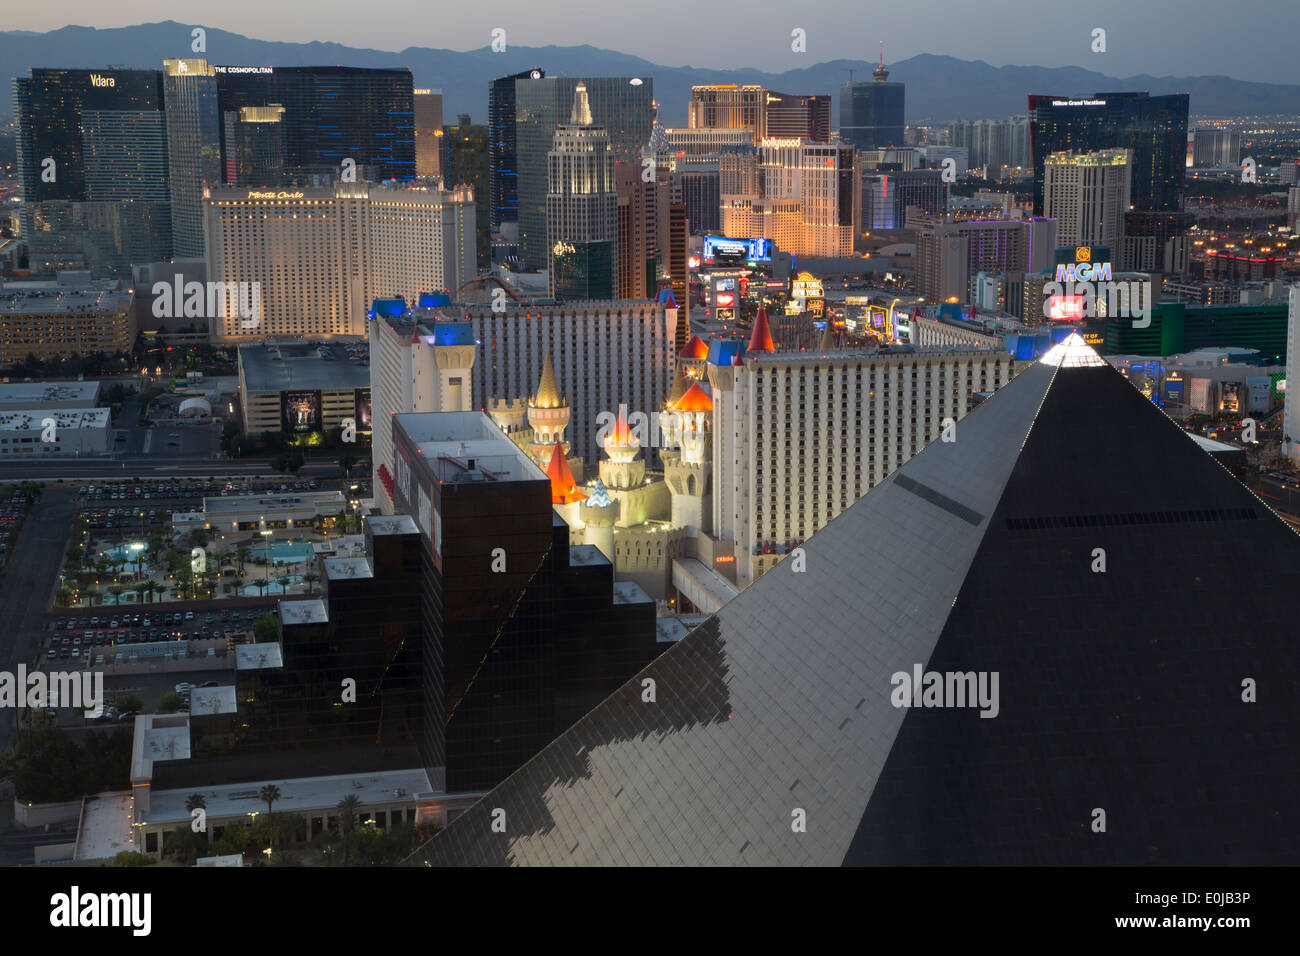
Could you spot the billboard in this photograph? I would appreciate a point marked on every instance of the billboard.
(361, 398)
(719, 250)
(300, 411)
(1065, 308)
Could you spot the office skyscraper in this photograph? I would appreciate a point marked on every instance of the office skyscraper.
(992, 143)
(622, 106)
(331, 113)
(636, 233)
(193, 148)
(871, 114)
(428, 132)
(763, 112)
(808, 199)
(1088, 196)
(1153, 128)
(950, 254)
(503, 171)
(1213, 148)
(581, 208)
(465, 163)
(257, 133)
(887, 195)
(92, 166)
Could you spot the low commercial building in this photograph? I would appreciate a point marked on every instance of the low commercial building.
(50, 320)
(270, 512)
(64, 432)
(46, 395)
(302, 387)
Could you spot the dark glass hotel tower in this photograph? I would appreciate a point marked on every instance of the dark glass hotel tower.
(623, 106)
(92, 162)
(503, 176)
(331, 113)
(871, 114)
(1153, 127)
(521, 633)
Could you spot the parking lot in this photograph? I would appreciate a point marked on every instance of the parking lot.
(12, 511)
(100, 638)
(184, 490)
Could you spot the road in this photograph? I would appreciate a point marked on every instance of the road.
(27, 585)
(156, 467)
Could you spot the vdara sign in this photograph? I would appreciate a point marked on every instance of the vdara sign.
(97, 79)
(1083, 272)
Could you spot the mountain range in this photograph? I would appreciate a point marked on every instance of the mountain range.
(939, 88)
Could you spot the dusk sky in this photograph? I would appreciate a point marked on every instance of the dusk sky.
(1161, 37)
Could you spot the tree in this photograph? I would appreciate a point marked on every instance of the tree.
(348, 808)
(266, 629)
(196, 801)
(132, 858)
(184, 844)
(346, 461)
(126, 703)
(269, 794)
(170, 702)
(243, 556)
(287, 461)
(284, 581)
(310, 578)
(150, 587)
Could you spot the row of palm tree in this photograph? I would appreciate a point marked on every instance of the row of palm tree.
(349, 808)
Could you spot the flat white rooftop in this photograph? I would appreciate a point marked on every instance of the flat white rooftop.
(340, 569)
(105, 829)
(391, 524)
(586, 555)
(213, 700)
(32, 419)
(467, 446)
(36, 394)
(303, 612)
(297, 795)
(319, 501)
(252, 657)
(629, 592)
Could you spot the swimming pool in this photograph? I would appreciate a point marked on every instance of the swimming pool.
(285, 551)
(252, 590)
(127, 552)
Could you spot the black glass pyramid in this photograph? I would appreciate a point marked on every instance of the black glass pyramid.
(1135, 603)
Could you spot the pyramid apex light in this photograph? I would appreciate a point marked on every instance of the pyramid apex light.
(1072, 352)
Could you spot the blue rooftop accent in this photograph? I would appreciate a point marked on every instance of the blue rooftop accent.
(949, 310)
(389, 308)
(667, 298)
(433, 300)
(724, 351)
(453, 333)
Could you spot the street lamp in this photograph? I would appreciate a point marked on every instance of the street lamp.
(266, 550)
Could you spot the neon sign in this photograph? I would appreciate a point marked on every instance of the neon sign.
(1084, 272)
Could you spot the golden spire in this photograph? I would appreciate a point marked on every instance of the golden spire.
(548, 393)
(679, 385)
